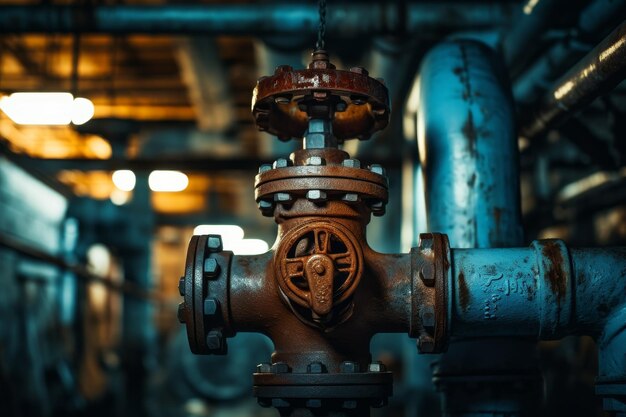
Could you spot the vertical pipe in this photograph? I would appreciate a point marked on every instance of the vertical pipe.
(468, 151)
(468, 147)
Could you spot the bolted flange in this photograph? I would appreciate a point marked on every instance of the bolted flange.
(202, 287)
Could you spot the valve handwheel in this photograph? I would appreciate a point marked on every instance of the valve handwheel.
(319, 266)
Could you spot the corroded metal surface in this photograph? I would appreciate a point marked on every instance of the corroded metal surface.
(430, 274)
(318, 265)
(280, 102)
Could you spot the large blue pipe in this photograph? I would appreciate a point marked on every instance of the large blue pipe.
(545, 291)
(468, 147)
(468, 151)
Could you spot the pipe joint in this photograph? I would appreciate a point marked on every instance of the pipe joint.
(430, 278)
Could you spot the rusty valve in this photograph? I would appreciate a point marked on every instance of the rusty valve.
(322, 292)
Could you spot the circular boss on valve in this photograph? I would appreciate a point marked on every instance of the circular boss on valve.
(319, 265)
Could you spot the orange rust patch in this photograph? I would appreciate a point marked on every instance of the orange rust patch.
(464, 295)
(556, 275)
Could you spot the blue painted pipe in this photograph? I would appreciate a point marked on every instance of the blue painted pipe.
(286, 18)
(468, 147)
(545, 291)
(468, 151)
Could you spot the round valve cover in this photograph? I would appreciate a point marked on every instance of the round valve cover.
(361, 103)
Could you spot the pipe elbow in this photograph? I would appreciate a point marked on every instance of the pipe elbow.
(466, 129)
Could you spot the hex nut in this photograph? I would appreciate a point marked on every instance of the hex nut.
(359, 70)
(280, 368)
(281, 163)
(315, 161)
(264, 168)
(316, 195)
(211, 306)
(427, 314)
(348, 367)
(264, 368)
(426, 243)
(351, 163)
(427, 274)
(316, 368)
(214, 243)
(282, 197)
(265, 204)
(377, 169)
(214, 340)
(211, 268)
(376, 367)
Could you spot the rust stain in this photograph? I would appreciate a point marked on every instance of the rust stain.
(470, 133)
(464, 295)
(556, 276)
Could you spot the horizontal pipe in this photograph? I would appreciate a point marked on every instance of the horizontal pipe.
(593, 23)
(346, 19)
(597, 73)
(80, 271)
(533, 19)
(545, 291)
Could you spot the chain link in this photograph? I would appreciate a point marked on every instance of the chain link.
(322, 27)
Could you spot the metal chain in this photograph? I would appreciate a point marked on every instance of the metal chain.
(322, 28)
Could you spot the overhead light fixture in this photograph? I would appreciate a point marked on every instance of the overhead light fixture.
(47, 108)
(124, 179)
(232, 239)
(168, 181)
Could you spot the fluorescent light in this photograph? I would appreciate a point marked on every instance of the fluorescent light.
(47, 108)
(250, 247)
(168, 181)
(232, 238)
(124, 179)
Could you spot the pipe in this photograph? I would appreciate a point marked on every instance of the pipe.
(593, 20)
(597, 73)
(469, 155)
(467, 146)
(545, 291)
(206, 78)
(345, 20)
(532, 21)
